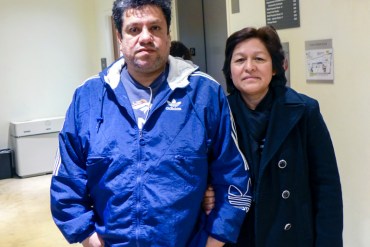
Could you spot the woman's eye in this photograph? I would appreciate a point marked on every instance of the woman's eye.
(239, 60)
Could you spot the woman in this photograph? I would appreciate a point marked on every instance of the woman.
(297, 190)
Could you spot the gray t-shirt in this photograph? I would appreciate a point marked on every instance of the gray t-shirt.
(141, 97)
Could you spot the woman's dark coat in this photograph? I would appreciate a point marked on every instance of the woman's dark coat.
(298, 199)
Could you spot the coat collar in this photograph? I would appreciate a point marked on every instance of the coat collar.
(177, 77)
(286, 112)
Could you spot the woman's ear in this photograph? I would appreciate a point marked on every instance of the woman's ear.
(285, 64)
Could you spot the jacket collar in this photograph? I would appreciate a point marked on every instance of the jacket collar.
(179, 72)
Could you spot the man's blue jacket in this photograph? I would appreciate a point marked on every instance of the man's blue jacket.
(145, 187)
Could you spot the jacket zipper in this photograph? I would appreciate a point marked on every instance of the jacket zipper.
(139, 172)
(138, 189)
(140, 167)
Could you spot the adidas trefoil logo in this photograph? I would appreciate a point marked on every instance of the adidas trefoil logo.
(239, 199)
(173, 105)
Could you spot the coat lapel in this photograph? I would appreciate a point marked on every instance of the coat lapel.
(286, 112)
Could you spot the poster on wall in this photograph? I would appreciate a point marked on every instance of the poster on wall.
(319, 61)
(282, 14)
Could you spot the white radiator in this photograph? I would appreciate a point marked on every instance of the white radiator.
(35, 144)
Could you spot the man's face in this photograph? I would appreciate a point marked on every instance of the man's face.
(145, 41)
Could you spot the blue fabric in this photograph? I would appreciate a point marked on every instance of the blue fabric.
(145, 187)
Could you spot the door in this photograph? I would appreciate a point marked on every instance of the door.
(202, 25)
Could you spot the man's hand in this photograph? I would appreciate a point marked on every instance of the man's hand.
(212, 242)
(209, 200)
(93, 240)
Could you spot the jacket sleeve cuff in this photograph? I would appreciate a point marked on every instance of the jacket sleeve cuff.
(224, 223)
(74, 230)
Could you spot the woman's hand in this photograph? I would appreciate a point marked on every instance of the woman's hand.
(212, 242)
(94, 240)
(209, 200)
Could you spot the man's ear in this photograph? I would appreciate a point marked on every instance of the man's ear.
(119, 37)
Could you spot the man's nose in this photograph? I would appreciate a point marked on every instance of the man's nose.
(146, 36)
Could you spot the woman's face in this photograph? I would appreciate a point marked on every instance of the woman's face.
(251, 69)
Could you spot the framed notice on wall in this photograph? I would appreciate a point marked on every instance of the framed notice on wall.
(319, 60)
(282, 14)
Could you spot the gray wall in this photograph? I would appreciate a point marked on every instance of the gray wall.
(191, 29)
(203, 25)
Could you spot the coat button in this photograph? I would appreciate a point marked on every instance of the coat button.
(285, 194)
(282, 164)
(287, 227)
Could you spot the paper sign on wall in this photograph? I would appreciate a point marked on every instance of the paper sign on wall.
(319, 61)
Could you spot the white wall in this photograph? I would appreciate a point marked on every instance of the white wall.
(103, 25)
(345, 104)
(47, 49)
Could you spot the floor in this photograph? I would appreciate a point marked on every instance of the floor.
(25, 219)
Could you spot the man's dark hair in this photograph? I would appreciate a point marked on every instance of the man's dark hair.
(120, 6)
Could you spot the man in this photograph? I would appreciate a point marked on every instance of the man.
(140, 143)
